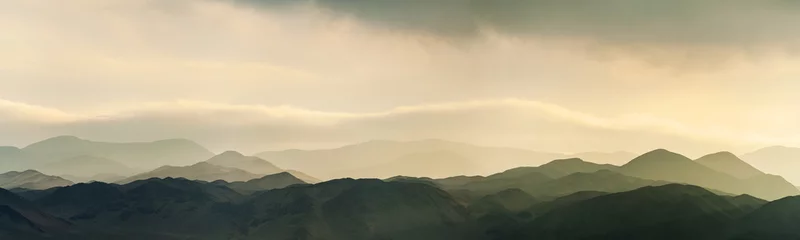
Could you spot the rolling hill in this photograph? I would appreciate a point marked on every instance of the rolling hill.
(31, 179)
(200, 171)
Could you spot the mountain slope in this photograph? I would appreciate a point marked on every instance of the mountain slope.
(199, 171)
(148, 209)
(21, 219)
(358, 209)
(775, 220)
(665, 212)
(730, 164)
(672, 167)
(31, 179)
(134, 154)
(269, 182)
(783, 161)
(234, 159)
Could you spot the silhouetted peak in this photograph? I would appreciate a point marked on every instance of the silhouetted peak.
(724, 155)
(660, 155)
(230, 154)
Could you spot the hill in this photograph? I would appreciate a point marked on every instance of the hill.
(199, 171)
(234, 159)
(183, 209)
(665, 212)
(672, 167)
(268, 182)
(558, 168)
(730, 164)
(774, 221)
(31, 179)
(359, 209)
(20, 218)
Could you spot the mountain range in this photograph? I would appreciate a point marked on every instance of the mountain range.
(177, 208)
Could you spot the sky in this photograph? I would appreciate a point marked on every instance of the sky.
(551, 75)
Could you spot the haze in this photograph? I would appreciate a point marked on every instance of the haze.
(691, 76)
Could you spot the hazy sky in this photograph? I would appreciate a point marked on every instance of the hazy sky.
(555, 75)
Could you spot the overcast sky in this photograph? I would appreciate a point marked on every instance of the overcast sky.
(552, 75)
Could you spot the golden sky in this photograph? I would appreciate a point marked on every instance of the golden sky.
(562, 76)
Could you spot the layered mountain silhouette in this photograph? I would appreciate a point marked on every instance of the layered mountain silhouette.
(234, 159)
(200, 171)
(778, 160)
(135, 154)
(183, 209)
(664, 165)
(383, 155)
(88, 167)
(31, 179)
(666, 212)
(269, 182)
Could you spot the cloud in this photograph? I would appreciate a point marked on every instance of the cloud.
(739, 23)
(505, 122)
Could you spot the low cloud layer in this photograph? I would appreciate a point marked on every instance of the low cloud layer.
(502, 122)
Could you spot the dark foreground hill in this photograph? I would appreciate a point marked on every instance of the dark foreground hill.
(345, 209)
(185, 209)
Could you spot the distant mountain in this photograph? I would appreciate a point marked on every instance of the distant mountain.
(102, 177)
(665, 212)
(31, 179)
(305, 177)
(200, 171)
(730, 164)
(21, 219)
(783, 161)
(135, 154)
(86, 166)
(347, 160)
(269, 182)
(234, 159)
(13, 158)
(600, 181)
(421, 164)
(614, 158)
(672, 167)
